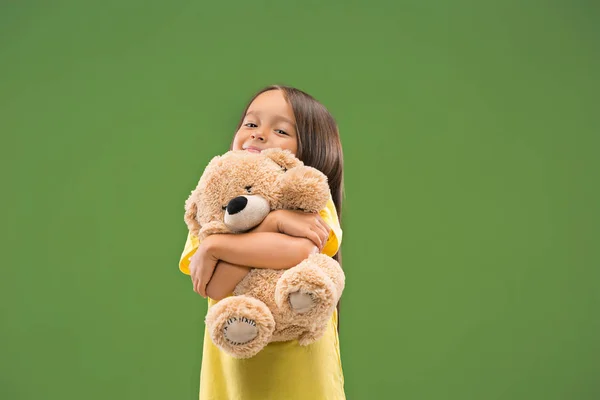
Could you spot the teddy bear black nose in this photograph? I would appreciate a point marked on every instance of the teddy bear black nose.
(236, 205)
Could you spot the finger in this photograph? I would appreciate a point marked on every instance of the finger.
(205, 277)
(326, 236)
(317, 220)
(324, 242)
(202, 289)
(315, 238)
(321, 242)
(323, 230)
(323, 233)
(196, 285)
(326, 231)
(324, 224)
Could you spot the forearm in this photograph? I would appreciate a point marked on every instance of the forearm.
(269, 224)
(225, 279)
(275, 251)
(260, 249)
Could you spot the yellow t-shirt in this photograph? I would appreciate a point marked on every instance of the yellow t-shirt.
(282, 370)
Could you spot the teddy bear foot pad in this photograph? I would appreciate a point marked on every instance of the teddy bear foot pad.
(240, 325)
(301, 302)
(305, 291)
(240, 331)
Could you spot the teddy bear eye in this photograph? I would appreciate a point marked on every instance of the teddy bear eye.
(248, 189)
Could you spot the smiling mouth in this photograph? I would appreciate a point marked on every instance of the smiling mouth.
(253, 149)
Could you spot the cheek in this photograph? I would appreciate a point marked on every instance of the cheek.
(291, 145)
(238, 141)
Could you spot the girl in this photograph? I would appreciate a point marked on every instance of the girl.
(286, 118)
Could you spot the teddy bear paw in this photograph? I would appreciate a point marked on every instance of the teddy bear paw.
(311, 336)
(305, 291)
(240, 325)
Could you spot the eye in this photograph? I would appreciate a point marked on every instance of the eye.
(282, 132)
(248, 189)
(250, 125)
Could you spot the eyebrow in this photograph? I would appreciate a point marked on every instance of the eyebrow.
(277, 117)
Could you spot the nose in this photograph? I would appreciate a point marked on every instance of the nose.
(236, 205)
(258, 136)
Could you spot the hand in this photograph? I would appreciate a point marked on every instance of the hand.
(302, 224)
(202, 266)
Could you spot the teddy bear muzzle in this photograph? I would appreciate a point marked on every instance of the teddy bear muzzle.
(246, 212)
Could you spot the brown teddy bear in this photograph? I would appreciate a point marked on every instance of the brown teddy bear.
(235, 194)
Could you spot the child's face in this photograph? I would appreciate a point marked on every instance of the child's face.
(268, 123)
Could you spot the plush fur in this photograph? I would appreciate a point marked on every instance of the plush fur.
(260, 183)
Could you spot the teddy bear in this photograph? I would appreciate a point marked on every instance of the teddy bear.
(236, 191)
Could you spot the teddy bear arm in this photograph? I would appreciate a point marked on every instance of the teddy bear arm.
(212, 228)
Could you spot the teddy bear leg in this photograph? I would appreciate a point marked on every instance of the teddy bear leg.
(305, 291)
(332, 269)
(314, 334)
(240, 325)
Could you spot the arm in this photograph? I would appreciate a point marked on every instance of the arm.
(261, 248)
(258, 250)
(227, 275)
(224, 280)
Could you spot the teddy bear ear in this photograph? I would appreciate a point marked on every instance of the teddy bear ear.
(214, 162)
(284, 158)
(191, 212)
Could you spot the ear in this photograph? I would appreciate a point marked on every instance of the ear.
(284, 158)
(191, 211)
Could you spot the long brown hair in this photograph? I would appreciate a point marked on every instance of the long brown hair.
(319, 144)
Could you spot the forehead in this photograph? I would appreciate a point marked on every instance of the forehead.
(271, 102)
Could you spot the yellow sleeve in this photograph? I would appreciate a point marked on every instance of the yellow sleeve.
(191, 245)
(329, 214)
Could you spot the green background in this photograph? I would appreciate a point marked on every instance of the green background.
(471, 239)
